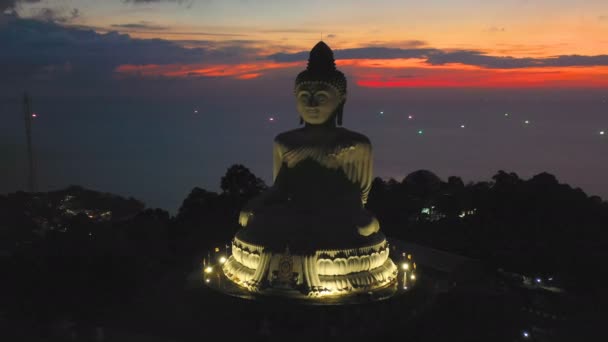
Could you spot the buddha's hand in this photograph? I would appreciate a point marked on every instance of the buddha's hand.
(244, 217)
(368, 226)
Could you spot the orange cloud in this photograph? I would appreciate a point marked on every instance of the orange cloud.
(249, 76)
(399, 63)
(392, 73)
(238, 71)
(579, 77)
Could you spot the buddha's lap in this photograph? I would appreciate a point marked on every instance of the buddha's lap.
(311, 217)
(307, 228)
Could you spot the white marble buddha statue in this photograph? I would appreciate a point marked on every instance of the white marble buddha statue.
(322, 176)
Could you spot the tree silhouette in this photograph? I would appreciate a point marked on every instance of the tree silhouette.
(240, 184)
(503, 180)
(451, 202)
(199, 204)
(422, 184)
(455, 184)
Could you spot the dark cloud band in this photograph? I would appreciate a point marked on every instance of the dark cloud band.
(442, 57)
(10, 4)
(142, 25)
(33, 45)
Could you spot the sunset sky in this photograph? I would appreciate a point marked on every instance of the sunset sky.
(150, 98)
(382, 43)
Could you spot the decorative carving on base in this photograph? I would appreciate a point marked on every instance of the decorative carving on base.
(285, 277)
(326, 272)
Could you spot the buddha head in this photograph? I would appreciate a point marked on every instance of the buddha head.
(320, 90)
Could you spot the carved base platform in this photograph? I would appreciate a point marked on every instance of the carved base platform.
(321, 273)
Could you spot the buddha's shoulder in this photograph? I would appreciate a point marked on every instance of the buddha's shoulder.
(288, 136)
(353, 137)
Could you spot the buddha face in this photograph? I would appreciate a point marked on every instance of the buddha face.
(316, 102)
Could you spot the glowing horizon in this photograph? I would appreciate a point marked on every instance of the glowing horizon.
(381, 74)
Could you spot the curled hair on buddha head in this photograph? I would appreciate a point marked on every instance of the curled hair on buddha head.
(322, 68)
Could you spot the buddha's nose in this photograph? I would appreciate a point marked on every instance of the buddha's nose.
(312, 102)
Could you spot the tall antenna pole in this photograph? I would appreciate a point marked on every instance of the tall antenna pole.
(27, 112)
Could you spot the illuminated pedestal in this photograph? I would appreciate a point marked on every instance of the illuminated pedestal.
(326, 272)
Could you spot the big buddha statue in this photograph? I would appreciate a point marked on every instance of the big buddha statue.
(310, 233)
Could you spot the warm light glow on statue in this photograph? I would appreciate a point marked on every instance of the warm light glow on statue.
(310, 233)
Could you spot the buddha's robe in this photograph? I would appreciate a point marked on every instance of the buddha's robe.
(346, 151)
(321, 184)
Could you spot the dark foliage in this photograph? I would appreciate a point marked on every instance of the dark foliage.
(64, 261)
(240, 185)
(538, 226)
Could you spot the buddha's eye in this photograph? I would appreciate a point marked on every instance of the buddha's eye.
(304, 96)
(321, 98)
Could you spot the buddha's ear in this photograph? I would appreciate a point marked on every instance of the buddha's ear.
(301, 121)
(339, 112)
